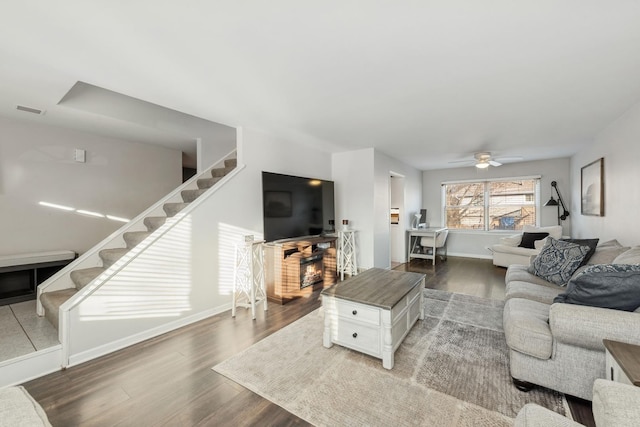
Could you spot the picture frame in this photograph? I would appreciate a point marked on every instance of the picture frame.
(592, 188)
(277, 204)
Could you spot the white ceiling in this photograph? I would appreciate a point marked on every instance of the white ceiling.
(426, 82)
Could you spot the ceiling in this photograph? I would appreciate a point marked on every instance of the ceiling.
(426, 82)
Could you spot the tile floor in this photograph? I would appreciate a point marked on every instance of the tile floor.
(23, 332)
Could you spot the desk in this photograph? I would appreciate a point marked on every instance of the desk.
(414, 250)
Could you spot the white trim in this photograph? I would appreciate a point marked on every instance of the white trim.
(466, 255)
(96, 352)
(512, 178)
(30, 366)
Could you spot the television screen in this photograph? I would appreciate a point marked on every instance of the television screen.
(294, 206)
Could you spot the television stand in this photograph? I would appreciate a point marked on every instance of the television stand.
(297, 267)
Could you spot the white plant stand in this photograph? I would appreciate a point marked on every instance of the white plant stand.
(248, 278)
(347, 253)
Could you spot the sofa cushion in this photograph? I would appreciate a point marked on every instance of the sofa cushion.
(606, 253)
(514, 250)
(592, 243)
(533, 292)
(615, 286)
(529, 238)
(511, 240)
(532, 415)
(615, 404)
(518, 272)
(631, 256)
(558, 260)
(526, 327)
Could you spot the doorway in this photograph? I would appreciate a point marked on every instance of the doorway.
(397, 220)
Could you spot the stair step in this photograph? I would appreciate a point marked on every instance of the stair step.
(84, 276)
(109, 256)
(205, 183)
(132, 238)
(231, 163)
(51, 301)
(220, 172)
(190, 195)
(154, 222)
(172, 209)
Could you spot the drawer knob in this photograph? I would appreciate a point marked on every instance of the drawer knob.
(355, 335)
(354, 312)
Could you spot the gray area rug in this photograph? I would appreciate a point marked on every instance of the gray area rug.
(451, 370)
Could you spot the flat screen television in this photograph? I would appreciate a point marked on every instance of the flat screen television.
(294, 206)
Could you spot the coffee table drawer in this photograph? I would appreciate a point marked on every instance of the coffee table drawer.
(358, 312)
(358, 337)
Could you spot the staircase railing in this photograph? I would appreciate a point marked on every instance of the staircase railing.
(62, 279)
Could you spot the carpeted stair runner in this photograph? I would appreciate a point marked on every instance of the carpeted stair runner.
(51, 301)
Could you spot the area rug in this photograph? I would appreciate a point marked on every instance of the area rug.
(451, 370)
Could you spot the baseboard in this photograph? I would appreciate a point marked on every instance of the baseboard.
(30, 366)
(85, 356)
(467, 255)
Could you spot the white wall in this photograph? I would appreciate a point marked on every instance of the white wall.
(384, 167)
(353, 176)
(195, 260)
(119, 178)
(362, 187)
(472, 243)
(620, 147)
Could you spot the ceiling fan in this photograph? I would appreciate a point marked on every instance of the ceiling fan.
(483, 160)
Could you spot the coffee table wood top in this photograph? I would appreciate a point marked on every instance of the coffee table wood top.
(376, 287)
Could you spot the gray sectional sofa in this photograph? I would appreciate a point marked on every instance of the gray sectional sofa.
(614, 405)
(559, 345)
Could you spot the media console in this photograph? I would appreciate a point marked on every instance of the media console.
(296, 267)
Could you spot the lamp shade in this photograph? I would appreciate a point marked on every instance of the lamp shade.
(551, 202)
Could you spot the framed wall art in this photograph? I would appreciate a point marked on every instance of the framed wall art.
(592, 188)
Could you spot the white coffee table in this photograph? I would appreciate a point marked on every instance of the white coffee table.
(373, 312)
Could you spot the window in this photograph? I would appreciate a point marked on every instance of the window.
(506, 204)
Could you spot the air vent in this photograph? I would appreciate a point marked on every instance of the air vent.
(30, 110)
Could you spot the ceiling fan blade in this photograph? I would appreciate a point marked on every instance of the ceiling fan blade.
(494, 163)
(469, 162)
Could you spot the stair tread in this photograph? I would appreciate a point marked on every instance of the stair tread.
(154, 222)
(51, 302)
(133, 238)
(110, 256)
(84, 276)
(191, 195)
(205, 183)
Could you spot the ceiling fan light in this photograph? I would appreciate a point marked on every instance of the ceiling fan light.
(482, 165)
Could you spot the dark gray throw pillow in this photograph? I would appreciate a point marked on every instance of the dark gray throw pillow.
(615, 286)
(592, 243)
(557, 261)
(529, 238)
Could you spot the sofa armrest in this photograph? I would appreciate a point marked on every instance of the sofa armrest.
(532, 415)
(513, 240)
(585, 326)
(615, 404)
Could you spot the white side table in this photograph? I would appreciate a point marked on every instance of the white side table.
(622, 362)
(347, 253)
(248, 281)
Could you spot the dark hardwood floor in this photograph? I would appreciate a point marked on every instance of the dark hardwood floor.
(168, 380)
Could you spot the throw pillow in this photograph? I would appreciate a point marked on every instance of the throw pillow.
(554, 231)
(615, 286)
(632, 256)
(592, 243)
(558, 260)
(529, 238)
